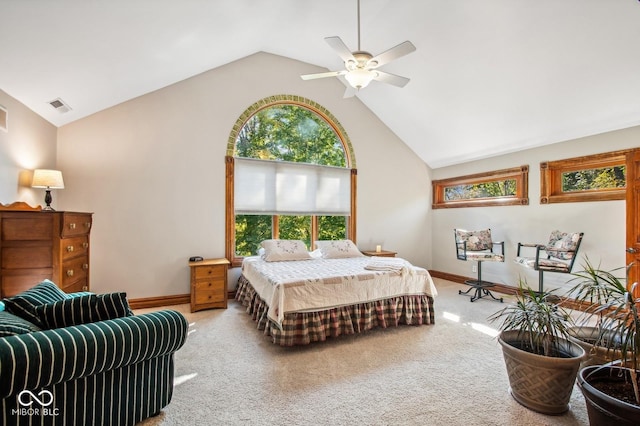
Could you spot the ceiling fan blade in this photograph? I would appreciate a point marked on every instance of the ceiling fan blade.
(341, 49)
(322, 75)
(392, 79)
(389, 55)
(350, 92)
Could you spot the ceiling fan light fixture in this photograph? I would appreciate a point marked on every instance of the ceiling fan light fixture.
(359, 78)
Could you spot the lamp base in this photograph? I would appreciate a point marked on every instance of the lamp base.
(48, 199)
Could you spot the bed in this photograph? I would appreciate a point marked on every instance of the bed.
(297, 297)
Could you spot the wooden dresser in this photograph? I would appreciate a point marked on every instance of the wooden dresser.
(209, 284)
(38, 245)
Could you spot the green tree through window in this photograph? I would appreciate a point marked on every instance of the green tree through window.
(293, 133)
(588, 179)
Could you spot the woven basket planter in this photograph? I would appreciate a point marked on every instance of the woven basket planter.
(541, 383)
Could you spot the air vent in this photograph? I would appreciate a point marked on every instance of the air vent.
(60, 106)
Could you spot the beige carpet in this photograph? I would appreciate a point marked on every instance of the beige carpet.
(450, 373)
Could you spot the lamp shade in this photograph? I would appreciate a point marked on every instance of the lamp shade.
(51, 179)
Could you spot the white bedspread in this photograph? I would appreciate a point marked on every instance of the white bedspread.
(319, 284)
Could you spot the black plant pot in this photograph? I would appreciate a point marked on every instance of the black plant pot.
(603, 409)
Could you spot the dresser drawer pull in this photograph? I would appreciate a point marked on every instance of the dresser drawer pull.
(70, 249)
(72, 225)
(85, 266)
(70, 273)
(85, 245)
(87, 225)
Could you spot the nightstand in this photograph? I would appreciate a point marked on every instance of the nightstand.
(382, 253)
(209, 284)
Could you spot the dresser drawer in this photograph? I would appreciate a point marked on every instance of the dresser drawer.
(75, 224)
(75, 270)
(72, 247)
(19, 280)
(26, 257)
(80, 285)
(214, 271)
(32, 228)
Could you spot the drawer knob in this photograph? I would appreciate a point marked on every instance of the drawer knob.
(69, 249)
(70, 273)
(72, 225)
(85, 245)
(87, 225)
(85, 266)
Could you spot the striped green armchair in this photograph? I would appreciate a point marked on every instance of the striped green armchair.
(112, 372)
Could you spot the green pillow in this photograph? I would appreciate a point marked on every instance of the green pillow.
(83, 309)
(10, 325)
(112, 305)
(68, 312)
(24, 304)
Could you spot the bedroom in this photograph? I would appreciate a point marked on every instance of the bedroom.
(152, 171)
(150, 222)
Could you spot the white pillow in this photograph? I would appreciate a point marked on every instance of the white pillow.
(336, 249)
(277, 250)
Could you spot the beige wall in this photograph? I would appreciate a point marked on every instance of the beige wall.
(29, 143)
(603, 223)
(152, 171)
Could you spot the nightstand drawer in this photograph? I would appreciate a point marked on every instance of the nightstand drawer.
(209, 292)
(217, 271)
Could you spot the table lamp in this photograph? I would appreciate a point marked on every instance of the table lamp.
(47, 179)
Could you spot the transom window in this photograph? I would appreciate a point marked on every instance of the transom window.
(597, 177)
(289, 176)
(499, 187)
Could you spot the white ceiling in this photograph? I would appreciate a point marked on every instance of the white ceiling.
(488, 76)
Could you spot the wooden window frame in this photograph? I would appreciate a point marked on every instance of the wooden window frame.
(551, 178)
(520, 174)
(331, 120)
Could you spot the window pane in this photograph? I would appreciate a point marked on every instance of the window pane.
(295, 228)
(290, 133)
(589, 179)
(250, 231)
(332, 227)
(504, 188)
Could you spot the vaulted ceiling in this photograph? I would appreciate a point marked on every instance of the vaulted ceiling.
(488, 76)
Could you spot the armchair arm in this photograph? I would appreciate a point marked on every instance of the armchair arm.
(34, 360)
(461, 249)
(499, 243)
(530, 245)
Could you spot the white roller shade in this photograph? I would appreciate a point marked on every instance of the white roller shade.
(281, 187)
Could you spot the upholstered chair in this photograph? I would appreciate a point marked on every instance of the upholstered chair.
(557, 255)
(477, 246)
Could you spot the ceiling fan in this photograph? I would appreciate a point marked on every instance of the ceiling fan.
(361, 67)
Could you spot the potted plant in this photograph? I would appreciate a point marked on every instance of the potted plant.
(541, 361)
(611, 390)
(592, 288)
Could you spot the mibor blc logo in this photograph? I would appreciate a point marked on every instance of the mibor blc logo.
(32, 404)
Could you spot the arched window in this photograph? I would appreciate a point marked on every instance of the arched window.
(290, 175)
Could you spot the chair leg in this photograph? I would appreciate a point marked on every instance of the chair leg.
(540, 281)
(480, 287)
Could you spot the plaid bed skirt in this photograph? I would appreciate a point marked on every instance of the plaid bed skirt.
(302, 328)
